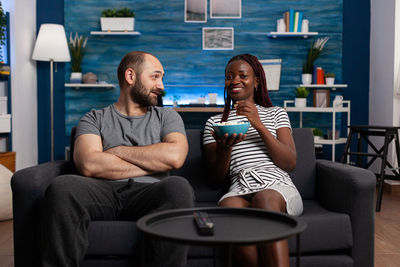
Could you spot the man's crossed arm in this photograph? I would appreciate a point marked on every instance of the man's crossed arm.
(128, 161)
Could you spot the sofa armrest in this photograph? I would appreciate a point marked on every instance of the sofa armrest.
(28, 187)
(351, 190)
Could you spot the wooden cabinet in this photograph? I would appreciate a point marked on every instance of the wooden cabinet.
(7, 159)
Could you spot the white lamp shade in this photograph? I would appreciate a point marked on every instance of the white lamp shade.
(51, 44)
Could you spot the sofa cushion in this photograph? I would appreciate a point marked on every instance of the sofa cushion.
(333, 260)
(195, 172)
(5, 194)
(326, 230)
(303, 176)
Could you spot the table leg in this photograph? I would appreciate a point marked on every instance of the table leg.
(397, 145)
(298, 250)
(145, 238)
(229, 260)
(382, 174)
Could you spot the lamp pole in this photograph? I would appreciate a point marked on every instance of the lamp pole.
(51, 109)
(51, 45)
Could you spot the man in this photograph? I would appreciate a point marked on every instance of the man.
(123, 153)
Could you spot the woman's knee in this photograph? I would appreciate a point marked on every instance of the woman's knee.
(234, 202)
(269, 200)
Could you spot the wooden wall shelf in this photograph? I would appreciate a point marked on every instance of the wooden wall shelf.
(291, 34)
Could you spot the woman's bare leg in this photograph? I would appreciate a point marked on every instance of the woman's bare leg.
(272, 254)
(245, 256)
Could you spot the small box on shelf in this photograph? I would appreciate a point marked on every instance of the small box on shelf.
(3, 105)
(5, 123)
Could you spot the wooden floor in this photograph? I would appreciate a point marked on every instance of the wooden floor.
(387, 235)
(387, 232)
(6, 244)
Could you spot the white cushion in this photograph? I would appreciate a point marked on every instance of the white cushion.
(5, 194)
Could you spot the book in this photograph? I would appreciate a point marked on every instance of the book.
(314, 75)
(320, 76)
(296, 21)
(291, 20)
(286, 17)
(300, 21)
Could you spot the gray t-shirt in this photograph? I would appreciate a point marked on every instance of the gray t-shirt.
(116, 129)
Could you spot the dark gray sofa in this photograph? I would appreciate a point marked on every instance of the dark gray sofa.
(338, 209)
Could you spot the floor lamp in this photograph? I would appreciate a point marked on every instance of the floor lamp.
(51, 45)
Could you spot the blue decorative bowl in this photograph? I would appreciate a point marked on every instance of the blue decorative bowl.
(240, 128)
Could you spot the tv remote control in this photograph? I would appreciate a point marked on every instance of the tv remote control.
(203, 223)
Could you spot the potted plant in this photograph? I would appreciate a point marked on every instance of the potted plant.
(3, 24)
(4, 70)
(330, 78)
(314, 52)
(117, 20)
(176, 98)
(301, 96)
(318, 134)
(77, 49)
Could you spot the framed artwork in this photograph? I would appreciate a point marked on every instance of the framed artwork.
(195, 11)
(218, 38)
(321, 98)
(272, 69)
(225, 9)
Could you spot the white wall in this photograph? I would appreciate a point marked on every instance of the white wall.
(384, 64)
(23, 81)
(396, 107)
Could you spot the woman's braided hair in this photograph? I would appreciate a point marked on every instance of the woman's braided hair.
(261, 93)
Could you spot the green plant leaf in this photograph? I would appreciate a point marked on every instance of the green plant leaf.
(118, 13)
(301, 92)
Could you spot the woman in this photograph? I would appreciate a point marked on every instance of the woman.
(257, 163)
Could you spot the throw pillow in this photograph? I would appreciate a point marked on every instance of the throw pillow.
(5, 194)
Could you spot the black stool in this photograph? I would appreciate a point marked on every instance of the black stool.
(364, 131)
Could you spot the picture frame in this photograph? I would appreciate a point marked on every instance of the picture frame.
(272, 69)
(226, 9)
(218, 38)
(321, 98)
(195, 11)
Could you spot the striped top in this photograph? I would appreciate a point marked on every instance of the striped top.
(251, 167)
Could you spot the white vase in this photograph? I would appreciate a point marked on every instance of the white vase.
(330, 80)
(76, 77)
(300, 102)
(304, 25)
(306, 78)
(212, 98)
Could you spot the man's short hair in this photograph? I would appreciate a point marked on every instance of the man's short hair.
(132, 60)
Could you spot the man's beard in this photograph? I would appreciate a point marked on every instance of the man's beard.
(139, 94)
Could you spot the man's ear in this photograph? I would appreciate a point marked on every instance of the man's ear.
(130, 76)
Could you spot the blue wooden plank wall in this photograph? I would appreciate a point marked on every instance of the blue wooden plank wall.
(190, 71)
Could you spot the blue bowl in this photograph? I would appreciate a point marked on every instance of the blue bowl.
(240, 128)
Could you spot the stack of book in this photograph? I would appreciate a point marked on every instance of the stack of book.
(293, 20)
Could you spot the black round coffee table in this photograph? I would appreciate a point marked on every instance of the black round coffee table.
(232, 226)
